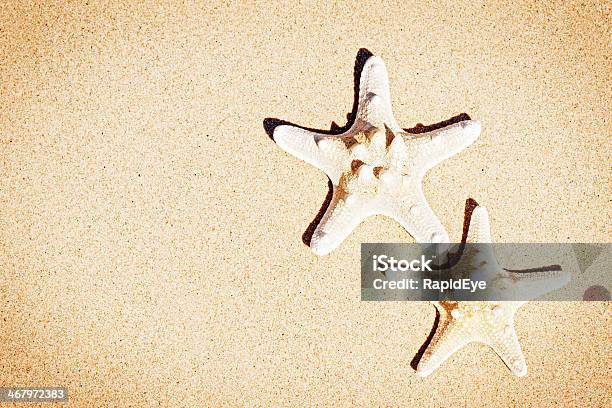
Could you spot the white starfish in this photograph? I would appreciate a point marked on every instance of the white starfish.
(375, 167)
(488, 322)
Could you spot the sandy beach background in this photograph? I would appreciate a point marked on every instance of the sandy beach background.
(151, 232)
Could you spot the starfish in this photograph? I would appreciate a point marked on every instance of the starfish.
(376, 167)
(488, 322)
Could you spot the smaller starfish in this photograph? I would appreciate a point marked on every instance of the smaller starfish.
(488, 322)
(376, 167)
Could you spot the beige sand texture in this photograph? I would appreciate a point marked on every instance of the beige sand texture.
(151, 246)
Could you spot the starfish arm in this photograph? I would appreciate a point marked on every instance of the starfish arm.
(480, 227)
(505, 343)
(446, 341)
(322, 151)
(418, 218)
(374, 104)
(340, 219)
(433, 147)
(531, 285)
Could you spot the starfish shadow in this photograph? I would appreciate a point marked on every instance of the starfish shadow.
(363, 55)
(417, 357)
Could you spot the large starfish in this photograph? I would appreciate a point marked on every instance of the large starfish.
(488, 322)
(376, 167)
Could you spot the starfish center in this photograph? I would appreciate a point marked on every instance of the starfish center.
(377, 163)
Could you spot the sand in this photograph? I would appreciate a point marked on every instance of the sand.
(151, 232)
